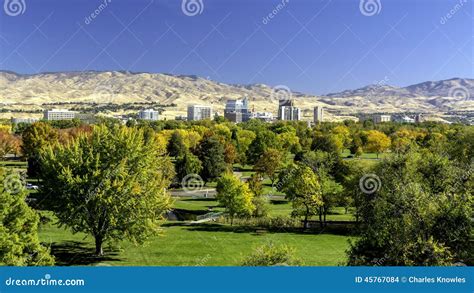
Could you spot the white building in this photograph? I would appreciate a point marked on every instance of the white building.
(199, 112)
(288, 111)
(237, 110)
(149, 114)
(264, 116)
(381, 118)
(318, 114)
(24, 120)
(59, 114)
(406, 119)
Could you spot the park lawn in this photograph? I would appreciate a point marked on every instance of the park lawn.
(196, 204)
(365, 156)
(283, 208)
(276, 208)
(181, 245)
(12, 163)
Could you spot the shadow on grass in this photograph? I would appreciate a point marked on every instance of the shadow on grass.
(76, 253)
(198, 199)
(277, 201)
(254, 230)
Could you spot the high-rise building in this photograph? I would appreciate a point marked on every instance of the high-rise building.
(59, 114)
(418, 118)
(199, 112)
(237, 110)
(287, 111)
(318, 114)
(149, 114)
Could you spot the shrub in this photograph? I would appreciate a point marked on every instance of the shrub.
(272, 255)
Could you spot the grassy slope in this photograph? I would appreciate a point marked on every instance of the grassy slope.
(207, 245)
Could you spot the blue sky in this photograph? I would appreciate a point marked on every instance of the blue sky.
(312, 46)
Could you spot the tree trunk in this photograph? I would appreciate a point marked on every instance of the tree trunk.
(305, 224)
(325, 222)
(320, 217)
(98, 246)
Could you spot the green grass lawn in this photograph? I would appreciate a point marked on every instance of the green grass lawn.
(196, 204)
(203, 245)
(12, 163)
(276, 208)
(364, 156)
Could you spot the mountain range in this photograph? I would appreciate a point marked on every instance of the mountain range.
(33, 90)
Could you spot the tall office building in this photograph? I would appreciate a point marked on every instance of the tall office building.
(199, 112)
(59, 114)
(149, 114)
(237, 110)
(418, 118)
(287, 111)
(318, 114)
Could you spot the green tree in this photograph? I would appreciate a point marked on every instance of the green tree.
(110, 184)
(331, 192)
(35, 137)
(302, 188)
(259, 200)
(356, 146)
(176, 147)
(186, 165)
(269, 163)
(211, 152)
(235, 196)
(242, 139)
(410, 221)
(264, 139)
(19, 244)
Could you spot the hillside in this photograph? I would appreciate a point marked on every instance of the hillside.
(31, 91)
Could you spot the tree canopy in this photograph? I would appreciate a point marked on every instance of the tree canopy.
(110, 184)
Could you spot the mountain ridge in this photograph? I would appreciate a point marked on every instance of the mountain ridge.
(455, 94)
